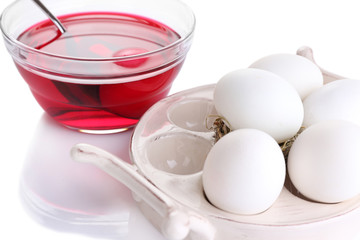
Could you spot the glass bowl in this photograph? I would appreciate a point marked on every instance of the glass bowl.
(116, 59)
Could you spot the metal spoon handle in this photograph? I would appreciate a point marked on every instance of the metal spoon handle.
(51, 16)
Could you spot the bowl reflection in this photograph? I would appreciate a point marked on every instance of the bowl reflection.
(68, 196)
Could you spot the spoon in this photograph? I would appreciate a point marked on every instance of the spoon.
(51, 16)
(90, 93)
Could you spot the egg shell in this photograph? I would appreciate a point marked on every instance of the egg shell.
(131, 63)
(303, 74)
(336, 100)
(244, 172)
(324, 161)
(255, 98)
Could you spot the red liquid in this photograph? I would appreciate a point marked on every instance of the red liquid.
(99, 35)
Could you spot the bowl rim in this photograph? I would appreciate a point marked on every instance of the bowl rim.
(183, 39)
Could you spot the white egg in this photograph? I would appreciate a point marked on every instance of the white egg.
(303, 74)
(324, 161)
(244, 172)
(336, 100)
(254, 98)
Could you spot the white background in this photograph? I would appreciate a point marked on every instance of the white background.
(230, 34)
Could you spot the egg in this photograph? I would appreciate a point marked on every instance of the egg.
(336, 100)
(131, 63)
(255, 98)
(324, 161)
(244, 172)
(303, 74)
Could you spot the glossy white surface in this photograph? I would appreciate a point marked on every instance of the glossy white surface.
(230, 34)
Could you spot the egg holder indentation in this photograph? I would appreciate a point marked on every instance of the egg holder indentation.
(169, 190)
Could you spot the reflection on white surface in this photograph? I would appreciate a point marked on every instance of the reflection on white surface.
(75, 197)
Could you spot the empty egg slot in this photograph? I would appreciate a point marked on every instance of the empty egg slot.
(178, 153)
(194, 114)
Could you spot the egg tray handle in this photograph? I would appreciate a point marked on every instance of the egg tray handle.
(177, 223)
(308, 53)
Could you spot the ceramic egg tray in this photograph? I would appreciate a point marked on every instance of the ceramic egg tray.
(168, 150)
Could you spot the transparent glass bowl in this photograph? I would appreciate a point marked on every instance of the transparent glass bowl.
(105, 93)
